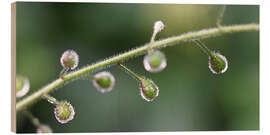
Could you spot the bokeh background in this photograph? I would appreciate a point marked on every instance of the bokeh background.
(191, 97)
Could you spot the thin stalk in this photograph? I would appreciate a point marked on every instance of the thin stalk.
(220, 17)
(50, 99)
(63, 72)
(205, 33)
(203, 47)
(129, 71)
(150, 49)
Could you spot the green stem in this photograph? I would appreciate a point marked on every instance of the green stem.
(50, 99)
(89, 77)
(150, 49)
(203, 47)
(220, 17)
(205, 33)
(63, 72)
(129, 71)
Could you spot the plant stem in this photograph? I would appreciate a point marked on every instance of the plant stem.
(63, 72)
(205, 33)
(220, 17)
(129, 71)
(203, 47)
(50, 99)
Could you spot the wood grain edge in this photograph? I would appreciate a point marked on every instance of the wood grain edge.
(13, 67)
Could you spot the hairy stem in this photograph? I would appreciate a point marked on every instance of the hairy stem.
(205, 33)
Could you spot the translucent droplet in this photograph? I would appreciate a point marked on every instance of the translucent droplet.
(64, 112)
(217, 63)
(104, 81)
(69, 59)
(44, 129)
(22, 86)
(154, 61)
(148, 89)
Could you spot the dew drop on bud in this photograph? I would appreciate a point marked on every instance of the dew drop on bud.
(22, 86)
(104, 81)
(44, 129)
(217, 63)
(64, 112)
(154, 61)
(148, 89)
(69, 59)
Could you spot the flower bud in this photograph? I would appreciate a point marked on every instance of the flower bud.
(158, 26)
(64, 112)
(104, 81)
(148, 89)
(22, 86)
(154, 61)
(44, 129)
(217, 63)
(69, 59)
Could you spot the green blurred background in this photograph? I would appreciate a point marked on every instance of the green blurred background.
(191, 97)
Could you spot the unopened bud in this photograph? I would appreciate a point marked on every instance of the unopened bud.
(64, 112)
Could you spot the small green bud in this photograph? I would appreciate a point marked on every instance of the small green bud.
(64, 112)
(217, 63)
(104, 81)
(148, 89)
(69, 59)
(44, 129)
(22, 86)
(155, 61)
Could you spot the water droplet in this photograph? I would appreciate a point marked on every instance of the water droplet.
(217, 63)
(64, 112)
(148, 89)
(155, 61)
(104, 81)
(22, 86)
(69, 59)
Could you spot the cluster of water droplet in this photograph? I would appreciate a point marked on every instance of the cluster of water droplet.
(154, 61)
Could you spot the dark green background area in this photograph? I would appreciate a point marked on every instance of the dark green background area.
(190, 98)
